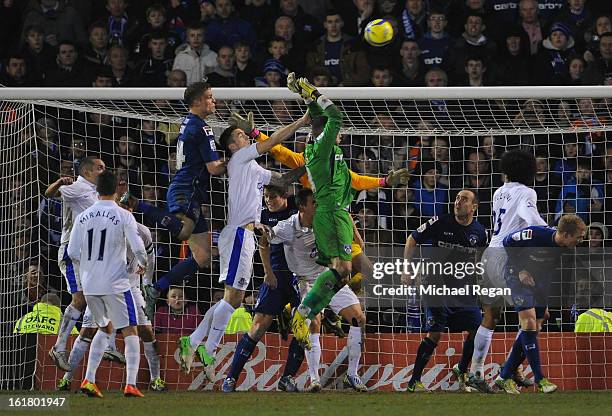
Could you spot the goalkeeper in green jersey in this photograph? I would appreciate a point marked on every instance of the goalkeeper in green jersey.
(330, 178)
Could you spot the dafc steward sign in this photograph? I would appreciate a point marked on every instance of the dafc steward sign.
(572, 361)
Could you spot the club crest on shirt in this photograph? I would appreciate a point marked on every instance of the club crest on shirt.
(347, 248)
(207, 130)
(473, 239)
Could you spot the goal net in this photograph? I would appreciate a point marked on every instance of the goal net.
(449, 139)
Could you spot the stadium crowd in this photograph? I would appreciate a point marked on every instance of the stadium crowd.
(246, 43)
(234, 43)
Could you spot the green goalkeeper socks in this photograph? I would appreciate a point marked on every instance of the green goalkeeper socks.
(321, 293)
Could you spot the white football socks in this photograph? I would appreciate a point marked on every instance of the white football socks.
(203, 328)
(111, 340)
(221, 316)
(313, 357)
(482, 342)
(132, 358)
(69, 320)
(79, 348)
(98, 346)
(354, 350)
(152, 358)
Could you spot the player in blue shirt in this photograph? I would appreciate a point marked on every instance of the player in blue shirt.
(279, 288)
(196, 159)
(461, 237)
(534, 254)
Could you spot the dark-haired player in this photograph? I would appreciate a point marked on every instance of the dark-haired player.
(246, 180)
(459, 237)
(514, 208)
(196, 160)
(278, 289)
(76, 197)
(534, 255)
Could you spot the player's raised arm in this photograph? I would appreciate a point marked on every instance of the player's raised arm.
(52, 190)
(318, 105)
(283, 155)
(283, 133)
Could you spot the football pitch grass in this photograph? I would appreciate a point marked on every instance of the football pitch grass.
(331, 403)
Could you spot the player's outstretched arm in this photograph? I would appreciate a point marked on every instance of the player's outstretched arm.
(54, 187)
(282, 133)
(283, 155)
(287, 178)
(394, 178)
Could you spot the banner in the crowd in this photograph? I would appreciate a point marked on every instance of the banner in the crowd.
(572, 361)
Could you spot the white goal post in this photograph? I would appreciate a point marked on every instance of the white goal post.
(460, 131)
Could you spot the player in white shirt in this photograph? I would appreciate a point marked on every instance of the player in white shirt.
(297, 237)
(237, 241)
(76, 197)
(98, 244)
(514, 208)
(145, 329)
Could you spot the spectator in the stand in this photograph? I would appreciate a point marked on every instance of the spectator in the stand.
(339, 53)
(588, 193)
(369, 228)
(284, 27)
(513, 62)
(448, 172)
(16, 72)
(153, 71)
(195, 58)
(224, 74)
(413, 19)
(246, 70)
(598, 233)
(434, 44)
(156, 25)
(35, 284)
(103, 77)
(592, 143)
(532, 24)
(176, 79)
(226, 28)
(77, 152)
(475, 70)
(430, 196)
(153, 146)
(121, 28)
(307, 27)
(473, 42)
(356, 16)
(96, 52)
(602, 24)
(405, 215)
(551, 65)
(381, 76)
(566, 167)
(207, 11)
(68, 71)
(256, 12)
(39, 55)
(547, 186)
(601, 68)
(123, 76)
(59, 20)
(411, 70)
(577, 17)
(177, 316)
(277, 48)
(274, 74)
(576, 69)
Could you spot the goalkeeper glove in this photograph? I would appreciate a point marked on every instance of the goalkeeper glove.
(245, 124)
(397, 177)
(292, 83)
(307, 90)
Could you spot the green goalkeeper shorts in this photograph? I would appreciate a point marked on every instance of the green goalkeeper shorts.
(333, 234)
